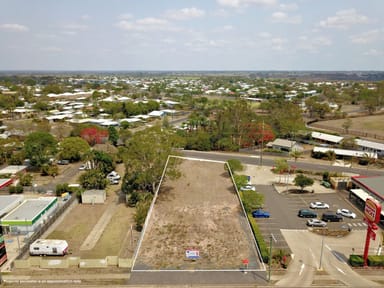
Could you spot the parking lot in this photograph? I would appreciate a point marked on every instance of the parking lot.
(284, 207)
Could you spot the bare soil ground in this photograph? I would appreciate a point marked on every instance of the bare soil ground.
(200, 210)
(371, 124)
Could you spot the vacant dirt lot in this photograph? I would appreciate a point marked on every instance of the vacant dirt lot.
(200, 210)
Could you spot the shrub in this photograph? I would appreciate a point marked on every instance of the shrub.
(259, 239)
(18, 189)
(356, 260)
(375, 260)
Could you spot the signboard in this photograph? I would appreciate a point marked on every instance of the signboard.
(372, 210)
(192, 254)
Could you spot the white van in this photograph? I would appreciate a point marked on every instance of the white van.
(50, 247)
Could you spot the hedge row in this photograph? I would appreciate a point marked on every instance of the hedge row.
(259, 239)
(372, 261)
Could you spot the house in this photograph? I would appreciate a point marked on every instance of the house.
(285, 145)
(93, 196)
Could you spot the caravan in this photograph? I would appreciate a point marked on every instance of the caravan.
(50, 247)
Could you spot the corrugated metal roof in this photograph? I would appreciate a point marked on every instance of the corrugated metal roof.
(326, 137)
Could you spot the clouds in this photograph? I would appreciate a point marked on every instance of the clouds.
(241, 34)
(344, 19)
(282, 17)
(13, 27)
(185, 13)
(244, 3)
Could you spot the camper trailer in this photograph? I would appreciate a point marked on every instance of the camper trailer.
(50, 247)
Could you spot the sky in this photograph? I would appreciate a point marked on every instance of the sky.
(198, 35)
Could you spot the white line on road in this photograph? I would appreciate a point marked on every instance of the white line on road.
(326, 246)
(301, 268)
(341, 271)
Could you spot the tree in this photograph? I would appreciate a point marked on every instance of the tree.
(39, 147)
(281, 166)
(331, 156)
(146, 155)
(102, 161)
(296, 154)
(346, 125)
(113, 135)
(94, 135)
(93, 179)
(141, 212)
(73, 149)
(303, 181)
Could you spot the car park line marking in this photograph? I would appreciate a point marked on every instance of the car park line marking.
(313, 255)
(341, 271)
(301, 268)
(326, 246)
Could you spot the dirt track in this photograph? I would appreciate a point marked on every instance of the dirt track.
(201, 211)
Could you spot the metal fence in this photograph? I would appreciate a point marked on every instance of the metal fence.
(43, 228)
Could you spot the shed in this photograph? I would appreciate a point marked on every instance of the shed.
(93, 196)
(285, 145)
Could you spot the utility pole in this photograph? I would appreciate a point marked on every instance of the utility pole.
(262, 144)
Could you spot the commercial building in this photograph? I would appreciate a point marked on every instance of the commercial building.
(368, 187)
(29, 215)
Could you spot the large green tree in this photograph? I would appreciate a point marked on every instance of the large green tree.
(145, 158)
(73, 148)
(93, 179)
(39, 147)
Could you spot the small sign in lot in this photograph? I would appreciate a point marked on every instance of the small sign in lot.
(192, 254)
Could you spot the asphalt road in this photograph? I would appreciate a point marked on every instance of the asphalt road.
(303, 164)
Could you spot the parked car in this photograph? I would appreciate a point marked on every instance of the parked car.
(331, 217)
(316, 223)
(113, 175)
(259, 213)
(346, 213)
(319, 205)
(113, 181)
(248, 188)
(306, 213)
(63, 162)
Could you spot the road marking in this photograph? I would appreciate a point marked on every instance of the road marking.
(301, 268)
(253, 156)
(341, 271)
(313, 255)
(326, 246)
(338, 257)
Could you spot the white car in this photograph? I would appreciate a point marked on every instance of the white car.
(319, 205)
(346, 213)
(113, 175)
(316, 223)
(248, 188)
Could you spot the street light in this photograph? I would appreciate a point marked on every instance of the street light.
(270, 255)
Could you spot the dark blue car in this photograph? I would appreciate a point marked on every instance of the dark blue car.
(259, 213)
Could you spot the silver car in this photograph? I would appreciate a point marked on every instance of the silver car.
(346, 213)
(316, 223)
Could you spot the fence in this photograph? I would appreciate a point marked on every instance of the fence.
(25, 249)
(353, 132)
